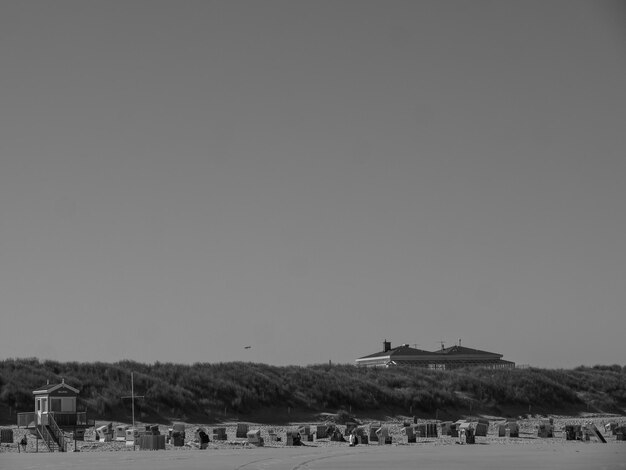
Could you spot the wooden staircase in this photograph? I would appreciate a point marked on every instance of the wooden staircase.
(52, 435)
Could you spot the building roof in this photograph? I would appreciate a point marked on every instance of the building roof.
(457, 350)
(48, 388)
(405, 354)
(403, 350)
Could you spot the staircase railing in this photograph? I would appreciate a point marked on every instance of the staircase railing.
(57, 433)
(46, 437)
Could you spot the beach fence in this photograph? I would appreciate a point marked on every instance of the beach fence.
(151, 442)
(219, 434)
(6, 436)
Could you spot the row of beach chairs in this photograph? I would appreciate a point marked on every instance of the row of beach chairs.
(465, 430)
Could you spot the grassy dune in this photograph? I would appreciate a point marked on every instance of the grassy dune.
(214, 392)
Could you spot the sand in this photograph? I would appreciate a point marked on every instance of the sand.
(423, 456)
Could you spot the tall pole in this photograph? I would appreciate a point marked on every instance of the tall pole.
(132, 403)
(132, 395)
(132, 400)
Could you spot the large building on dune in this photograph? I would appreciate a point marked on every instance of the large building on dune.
(452, 357)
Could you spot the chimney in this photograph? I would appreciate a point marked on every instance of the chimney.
(386, 346)
(459, 342)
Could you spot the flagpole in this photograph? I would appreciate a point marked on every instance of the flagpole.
(132, 400)
(132, 403)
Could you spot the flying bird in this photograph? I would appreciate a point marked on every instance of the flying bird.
(247, 347)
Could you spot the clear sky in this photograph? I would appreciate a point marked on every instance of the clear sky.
(179, 180)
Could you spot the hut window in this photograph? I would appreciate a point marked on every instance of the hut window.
(69, 404)
(55, 404)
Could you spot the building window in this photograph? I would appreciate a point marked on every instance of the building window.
(69, 405)
(55, 404)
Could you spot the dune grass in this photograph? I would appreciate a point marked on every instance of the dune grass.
(217, 390)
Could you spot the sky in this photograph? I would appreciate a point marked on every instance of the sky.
(180, 180)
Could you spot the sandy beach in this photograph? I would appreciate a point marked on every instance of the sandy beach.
(555, 455)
